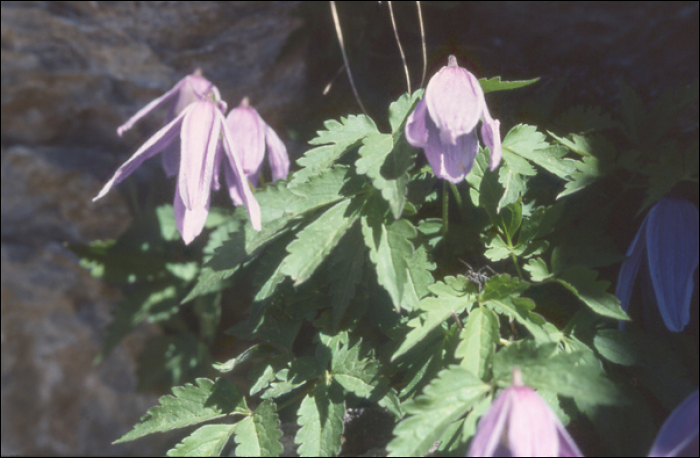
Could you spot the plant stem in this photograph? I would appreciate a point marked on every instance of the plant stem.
(445, 207)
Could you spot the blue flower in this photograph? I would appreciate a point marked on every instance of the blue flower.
(666, 249)
(679, 434)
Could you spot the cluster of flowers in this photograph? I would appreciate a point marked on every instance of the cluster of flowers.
(208, 142)
(520, 423)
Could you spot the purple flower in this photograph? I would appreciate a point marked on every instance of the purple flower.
(520, 423)
(679, 433)
(252, 134)
(200, 125)
(666, 248)
(444, 123)
(191, 88)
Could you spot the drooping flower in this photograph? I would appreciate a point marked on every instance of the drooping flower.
(200, 125)
(666, 249)
(444, 123)
(679, 434)
(252, 134)
(190, 89)
(520, 423)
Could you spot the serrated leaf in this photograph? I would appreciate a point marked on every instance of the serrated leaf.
(320, 418)
(387, 163)
(436, 311)
(356, 374)
(538, 270)
(327, 187)
(525, 141)
(587, 172)
(342, 136)
(478, 340)
(581, 282)
(514, 186)
(449, 396)
(390, 252)
(568, 374)
(300, 371)
(345, 272)
(401, 108)
(209, 440)
(496, 248)
(316, 241)
(190, 405)
(495, 84)
(259, 434)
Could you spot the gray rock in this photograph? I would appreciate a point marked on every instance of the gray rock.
(71, 73)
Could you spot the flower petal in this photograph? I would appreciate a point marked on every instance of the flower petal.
(241, 181)
(248, 131)
(190, 223)
(200, 136)
(532, 425)
(672, 251)
(232, 183)
(451, 162)
(455, 101)
(492, 426)
(630, 268)
(490, 132)
(153, 145)
(152, 105)
(416, 129)
(276, 154)
(679, 434)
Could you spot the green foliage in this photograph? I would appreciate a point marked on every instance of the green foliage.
(449, 396)
(353, 292)
(190, 405)
(321, 421)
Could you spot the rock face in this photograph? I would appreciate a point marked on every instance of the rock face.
(71, 73)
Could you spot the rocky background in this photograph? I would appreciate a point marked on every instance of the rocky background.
(73, 71)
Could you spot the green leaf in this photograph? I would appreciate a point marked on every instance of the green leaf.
(478, 340)
(401, 108)
(495, 84)
(316, 241)
(581, 282)
(321, 421)
(387, 163)
(524, 140)
(390, 250)
(569, 374)
(300, 371)
(259, 434)
(345, 272)
(342, 136)
(449, 396)
(538, 270)
(514, 185)
(356, 374)
(190, 405)
(587, 171)
(436, 311)
(209, 440)
(328, 187)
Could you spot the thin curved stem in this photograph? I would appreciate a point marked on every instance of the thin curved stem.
(422, 37)
(339, 32)
(398, 42)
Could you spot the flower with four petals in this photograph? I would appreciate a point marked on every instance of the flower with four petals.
(444, 123)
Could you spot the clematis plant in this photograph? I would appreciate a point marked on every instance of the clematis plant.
(202, 128)
(666, 250)
(190, 89)
(679, 434)
(444, 123)
(520, 423)
(251, 133)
